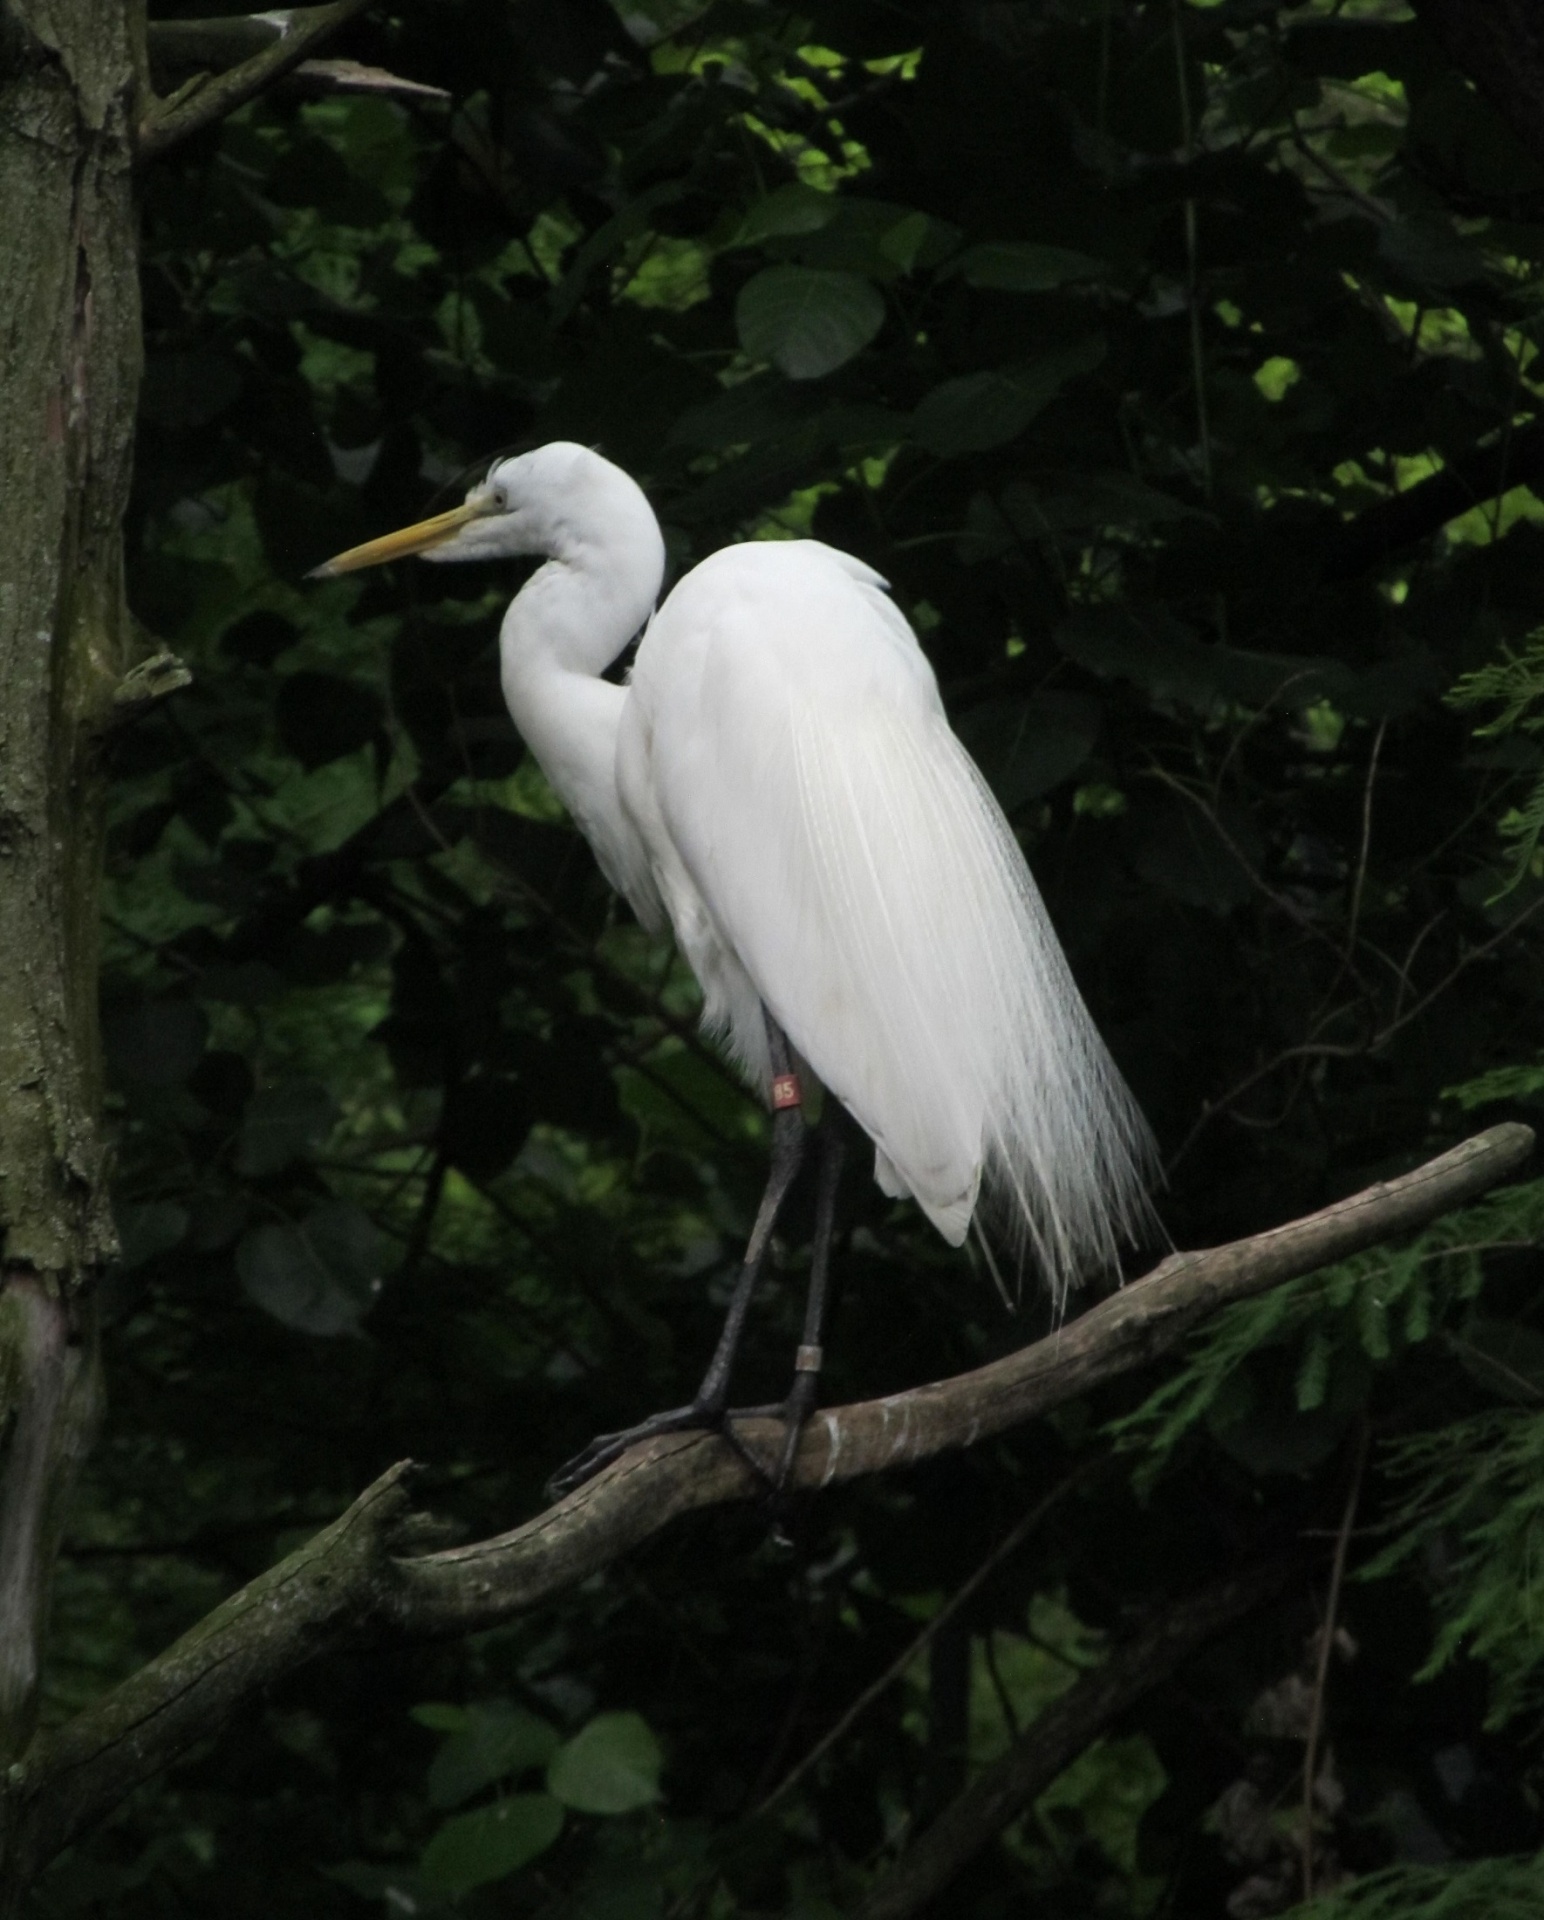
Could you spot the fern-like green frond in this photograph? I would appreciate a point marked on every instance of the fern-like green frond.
(1505, 1889)
(1501, 1083)
(1522, 826)
(1475, 1507)
(1373, 1305)
(1515, 684)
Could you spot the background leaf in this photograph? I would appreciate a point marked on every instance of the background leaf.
(982, 410)
(490, 1843)
(319, 1276)
(494, 1742)
(610, 1766)
(1020, 266)
(807, 321)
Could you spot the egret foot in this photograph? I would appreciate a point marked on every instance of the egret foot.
(606, 1447)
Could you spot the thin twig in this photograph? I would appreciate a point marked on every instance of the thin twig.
(1359, 884)
(1350, 1050)
(1011, 1540)
(1192, 259)
(423, 1218)
(1326, 1642)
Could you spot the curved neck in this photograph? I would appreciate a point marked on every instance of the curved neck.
(605, 562)
(562, 630)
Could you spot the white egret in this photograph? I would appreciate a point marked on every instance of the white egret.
(779, 785)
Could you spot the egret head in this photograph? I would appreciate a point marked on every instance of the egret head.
(539, 502)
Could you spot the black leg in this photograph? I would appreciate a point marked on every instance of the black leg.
(711, 1403)
(788, 1131)
(800, 1403)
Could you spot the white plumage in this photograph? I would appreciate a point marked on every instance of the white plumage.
(780, 784)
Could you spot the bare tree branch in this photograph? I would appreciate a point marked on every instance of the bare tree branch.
(192, 46)
(352, 76)
(359, 1578)
(290, 37)
(1001, 1791)
(179, 49)
(1326, 1645)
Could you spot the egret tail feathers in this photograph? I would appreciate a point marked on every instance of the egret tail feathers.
(954, 1029)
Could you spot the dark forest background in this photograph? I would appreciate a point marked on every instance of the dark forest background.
(1178, 365)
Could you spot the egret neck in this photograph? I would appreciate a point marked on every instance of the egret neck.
(566, 626)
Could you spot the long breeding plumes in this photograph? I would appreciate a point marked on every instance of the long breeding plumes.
(992, 1068)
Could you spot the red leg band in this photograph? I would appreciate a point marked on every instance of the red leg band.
(786, 1092)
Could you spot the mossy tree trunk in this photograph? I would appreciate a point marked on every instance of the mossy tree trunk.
(69, 374)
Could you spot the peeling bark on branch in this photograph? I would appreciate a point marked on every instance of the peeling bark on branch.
(354, 1581)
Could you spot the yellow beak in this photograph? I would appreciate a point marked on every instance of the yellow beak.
(407, 540)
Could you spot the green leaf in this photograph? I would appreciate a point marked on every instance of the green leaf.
(490, 1843)
(807, 321)
(1027, 747)
(320, 1277)
(440, 1717)
(982, 410)
(794, 208)
(610, 1766)
(494, 1741)
(281, 1124)
(145, 1231)
(1092, 500)
(1022, 266)
(905, 240)
(880, 239)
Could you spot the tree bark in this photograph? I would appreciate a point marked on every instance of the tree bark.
(69, 368)
(73, 88)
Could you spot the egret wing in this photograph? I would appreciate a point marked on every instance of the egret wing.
(852, 859)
